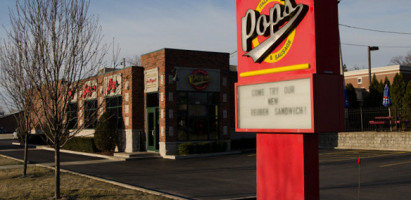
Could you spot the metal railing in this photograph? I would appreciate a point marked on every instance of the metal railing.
(395, 119)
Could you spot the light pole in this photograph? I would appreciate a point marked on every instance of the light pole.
(370, 48)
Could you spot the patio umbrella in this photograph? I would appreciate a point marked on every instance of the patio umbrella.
(346, 102)
(386, 99)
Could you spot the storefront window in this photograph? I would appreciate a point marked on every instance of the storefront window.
(197, 116)
(90, 113)
(72, 115)
(114, 105)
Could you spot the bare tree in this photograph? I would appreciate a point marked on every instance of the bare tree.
(16, 86)
(61, 43)
(134, 60)
(115, 53)
(401, 60)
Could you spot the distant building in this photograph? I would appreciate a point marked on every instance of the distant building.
(9, 123)
(360, 78)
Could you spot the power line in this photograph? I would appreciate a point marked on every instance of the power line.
(363, 45)
(375, 30)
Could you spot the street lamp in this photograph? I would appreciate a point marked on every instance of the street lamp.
(370, 48)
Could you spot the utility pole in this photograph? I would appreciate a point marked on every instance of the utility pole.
(370, 48)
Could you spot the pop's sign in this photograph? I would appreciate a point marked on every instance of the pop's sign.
(283, 48)
(276, 36)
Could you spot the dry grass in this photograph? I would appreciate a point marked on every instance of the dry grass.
(40, 185)
(6, 161)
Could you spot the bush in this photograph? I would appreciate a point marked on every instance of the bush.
(185, 148)
(84, 144)
(201, 147)
(38, 139)
(219, 146)
(105, 136)
(204, 147)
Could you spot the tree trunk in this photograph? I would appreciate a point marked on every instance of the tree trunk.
(26, 151)
(57, 165)
(26, 142)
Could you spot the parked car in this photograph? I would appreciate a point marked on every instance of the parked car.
(15, 134)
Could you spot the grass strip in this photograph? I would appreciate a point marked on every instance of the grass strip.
(39, 184)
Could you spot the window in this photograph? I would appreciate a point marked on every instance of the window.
(152, 100)
(197, 116)
(359, 80)
(90, 113)
(114, 106)
(72, 115)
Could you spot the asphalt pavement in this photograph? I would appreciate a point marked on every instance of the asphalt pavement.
(380, 175)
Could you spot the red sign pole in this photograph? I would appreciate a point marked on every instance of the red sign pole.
(289, 89)
(287, 166)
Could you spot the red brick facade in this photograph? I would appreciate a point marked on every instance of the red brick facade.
(130, 86)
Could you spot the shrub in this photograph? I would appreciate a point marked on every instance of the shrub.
(185, 148)
(204, 147)
(219, 146)
(84, 144)
(105, 136)
(201, 147)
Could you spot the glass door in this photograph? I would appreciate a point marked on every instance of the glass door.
(152, 129)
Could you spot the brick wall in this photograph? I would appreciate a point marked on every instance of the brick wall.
(365, 80)
(150, 61)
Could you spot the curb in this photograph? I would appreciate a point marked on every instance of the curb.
(180, 157)
(22, 145)
(82, 153)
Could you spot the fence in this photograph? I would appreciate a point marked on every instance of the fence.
(378, 119)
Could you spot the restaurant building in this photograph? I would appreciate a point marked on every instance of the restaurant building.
(175, 96)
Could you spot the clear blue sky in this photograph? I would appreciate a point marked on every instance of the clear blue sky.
(142, 26)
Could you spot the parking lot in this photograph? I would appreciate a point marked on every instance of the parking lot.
(380, 175)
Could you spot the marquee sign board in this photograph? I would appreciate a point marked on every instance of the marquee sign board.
(305, 103)
(276, 105)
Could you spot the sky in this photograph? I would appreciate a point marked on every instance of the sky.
(143, 26)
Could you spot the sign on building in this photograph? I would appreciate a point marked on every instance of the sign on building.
(151, 80)
(112, 85)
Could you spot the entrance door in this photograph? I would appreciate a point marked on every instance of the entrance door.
(152, 129)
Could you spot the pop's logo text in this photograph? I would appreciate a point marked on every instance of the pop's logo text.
(199, 79)
(276, 26)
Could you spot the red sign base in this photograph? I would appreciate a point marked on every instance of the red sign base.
(287, 166)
